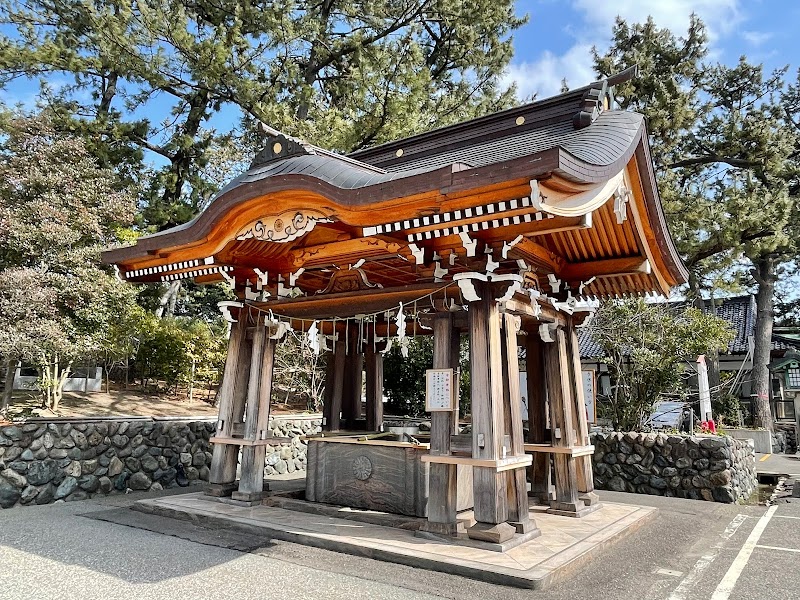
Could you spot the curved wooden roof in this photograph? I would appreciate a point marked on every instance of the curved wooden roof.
(561, 189)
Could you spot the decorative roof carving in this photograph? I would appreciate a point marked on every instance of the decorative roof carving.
(285, 227)
(592, 105)
(278, 145)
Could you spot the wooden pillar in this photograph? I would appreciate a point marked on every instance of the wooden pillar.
(489, 486)
(327, 394)
(232, 396)
(559, 390)
(256, 425)
(583, 463)
(539, 471)
(442, 478)
(336, 384)
(353, 378)
(374, 377)
(516, 484)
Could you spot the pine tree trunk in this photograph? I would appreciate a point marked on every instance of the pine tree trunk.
(166, 304)
(764, 274)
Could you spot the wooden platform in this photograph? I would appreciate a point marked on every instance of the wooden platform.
(565, 544)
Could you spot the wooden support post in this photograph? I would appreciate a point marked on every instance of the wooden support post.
(489, 486)
(559, 390)
(256, 425)
(327, 394)
(353, 378)
(583, 463)
(231, 407)
(442, 478)
(374, 377)
(337, 384)
(539, 472)
(516, 484)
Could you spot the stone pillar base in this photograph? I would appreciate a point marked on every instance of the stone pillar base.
(589, 498)
(569, 509)
(451, 529)
(496, 533)
(220, 490)
(252, 497)
(524, 526)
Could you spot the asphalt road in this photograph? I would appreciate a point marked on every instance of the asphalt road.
(692, 550)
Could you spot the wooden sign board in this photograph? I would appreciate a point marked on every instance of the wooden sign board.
(440, 390)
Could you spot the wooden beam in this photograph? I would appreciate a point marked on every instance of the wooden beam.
(341, 253)
(580, 272)
(256, 425)
(348, 304)
(538, 256)
(489, 486)
(337, 383)
(353, 379)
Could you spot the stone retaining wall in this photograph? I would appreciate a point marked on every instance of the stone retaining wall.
(288, 458)
(44, 462)
(785, 438)
(714, 468)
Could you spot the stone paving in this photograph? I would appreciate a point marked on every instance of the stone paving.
(565, 544)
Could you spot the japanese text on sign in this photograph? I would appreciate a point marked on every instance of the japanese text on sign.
(439, 390)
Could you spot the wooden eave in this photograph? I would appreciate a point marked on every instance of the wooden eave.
(594, 254)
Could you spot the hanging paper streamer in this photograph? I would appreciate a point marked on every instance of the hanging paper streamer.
(312, 335)
(400, 322)
(404, 347)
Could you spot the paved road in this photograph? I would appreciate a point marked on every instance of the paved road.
(787, 464)
(691, 551)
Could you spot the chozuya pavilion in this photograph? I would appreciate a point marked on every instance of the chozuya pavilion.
(496, 228)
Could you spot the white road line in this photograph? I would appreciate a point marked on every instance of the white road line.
(728, 582)
(778, 548)
(786, 517)
(688, 582)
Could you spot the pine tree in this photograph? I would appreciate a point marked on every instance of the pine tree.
(343, 74)
(726, 145)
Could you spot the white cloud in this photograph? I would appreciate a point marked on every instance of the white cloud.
(543, 75)
(720, 16)
(756, 38)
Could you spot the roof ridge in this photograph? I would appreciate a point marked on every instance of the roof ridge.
(580, 94)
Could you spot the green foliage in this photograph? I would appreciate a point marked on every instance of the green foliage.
(341, 74)
(665, 90)
(726, 406)
(724, 141)
(181, 351)
(404, 377)
(57, 209)
(645, 349)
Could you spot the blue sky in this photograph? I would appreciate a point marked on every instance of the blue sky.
(557, 41)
